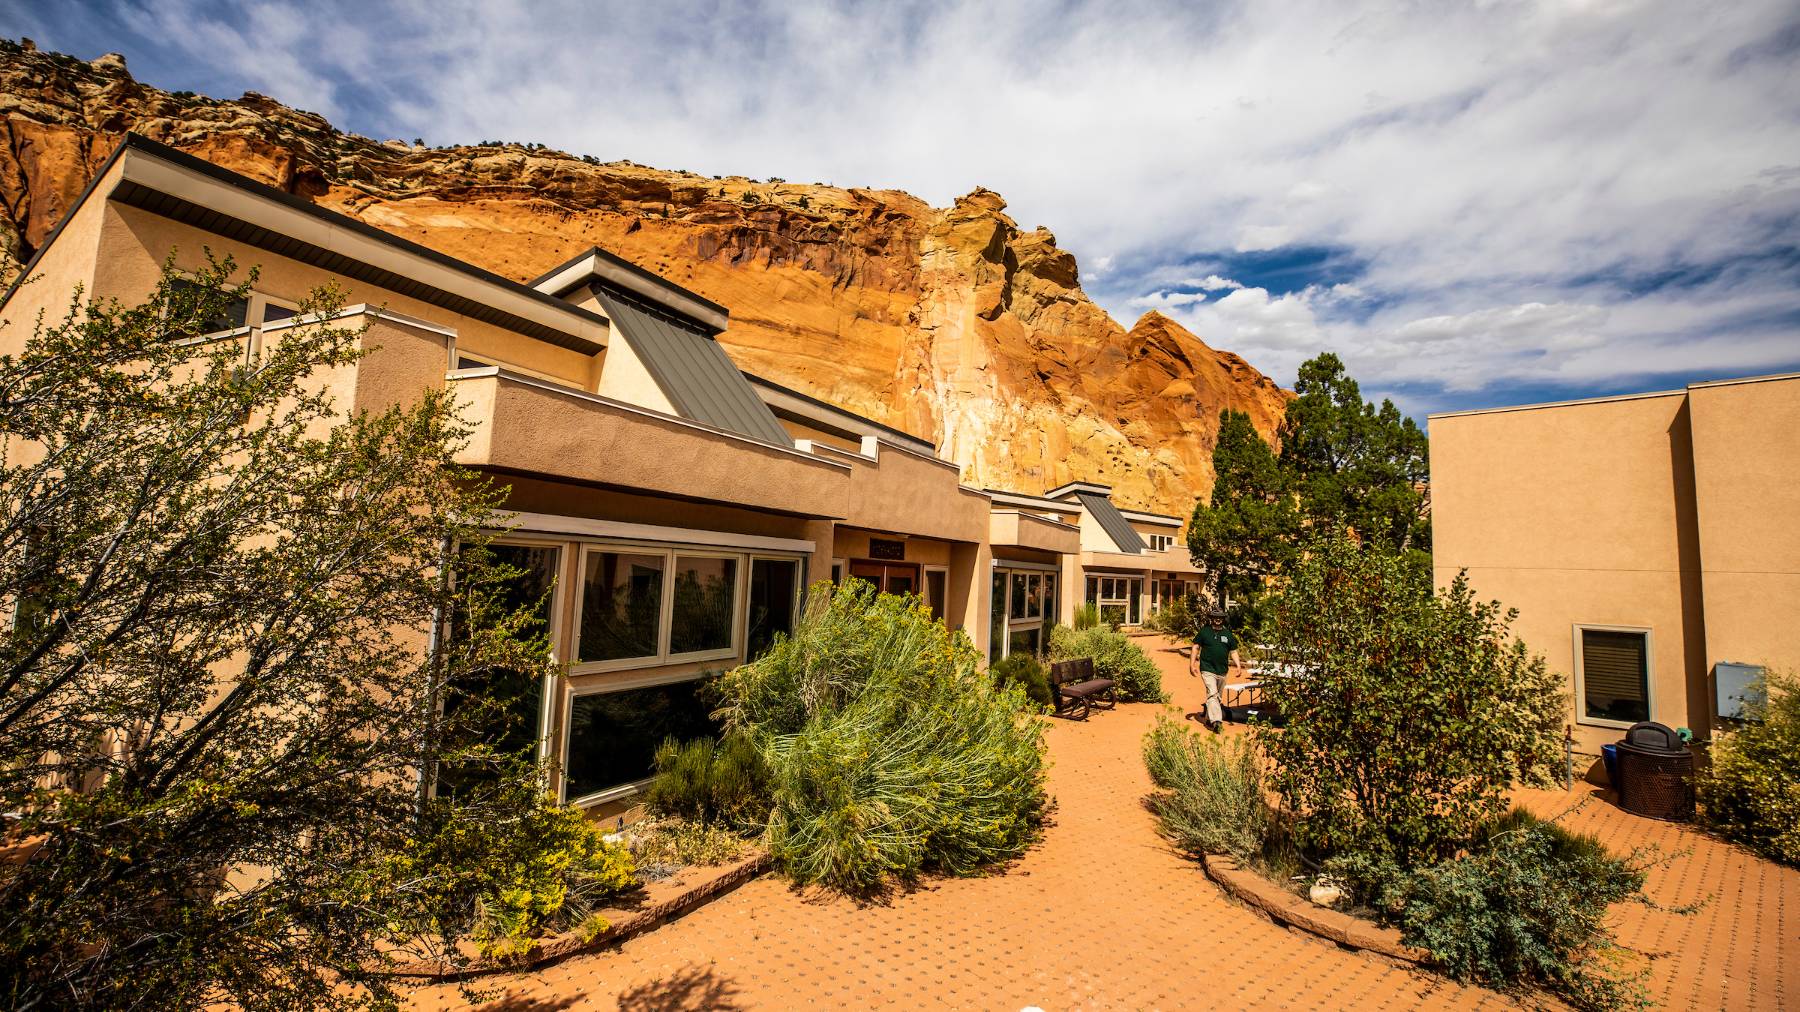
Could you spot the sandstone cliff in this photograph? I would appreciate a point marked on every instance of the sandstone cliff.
(952, 323)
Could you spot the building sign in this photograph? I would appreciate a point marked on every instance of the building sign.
(892, 551)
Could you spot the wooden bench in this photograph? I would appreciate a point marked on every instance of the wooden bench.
(1073, 686)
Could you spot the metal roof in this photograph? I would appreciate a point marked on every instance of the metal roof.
(1117, 527)
(696, 374)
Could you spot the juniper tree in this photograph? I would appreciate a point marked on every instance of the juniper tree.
(1356, 464)
(1246, 529)
(217, 702)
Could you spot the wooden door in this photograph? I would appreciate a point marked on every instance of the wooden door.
(888, 577)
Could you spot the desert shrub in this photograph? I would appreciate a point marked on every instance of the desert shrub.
(1410, 713)
(1210, 797)
(1087, 615)
(1752, 792)
(1026, 672)
(1525, 906)
(889, 751)
(710, 781)
(1115, 657)
(674, 843)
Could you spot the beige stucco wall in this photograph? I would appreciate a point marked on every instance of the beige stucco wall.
(906, 493)
(63, 265)
(134, 242)
(528, 428)
(1575, 514)
(1007, 527)
(1747, 493)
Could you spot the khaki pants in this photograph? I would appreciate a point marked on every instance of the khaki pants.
(1215, 689)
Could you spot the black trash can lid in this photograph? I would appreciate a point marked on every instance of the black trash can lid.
(1649, 736)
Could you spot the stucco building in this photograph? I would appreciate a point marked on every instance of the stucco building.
(668, 507)
(1644, 539)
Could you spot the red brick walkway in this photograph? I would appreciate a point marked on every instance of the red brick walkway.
(1102, 915)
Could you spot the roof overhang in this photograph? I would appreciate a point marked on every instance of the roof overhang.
(1070, 488)
(175, 185)
(793, 404)
(597, 264)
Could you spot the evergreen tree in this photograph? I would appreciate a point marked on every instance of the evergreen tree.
(1247, 529)
(1354, 464)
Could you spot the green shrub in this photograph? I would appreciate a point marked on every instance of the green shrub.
(1115, 657)
(1087, 615)
(889, 751)
(1026, 672)
(708, 781)
(1752, 792)
(1526, 906)
(1181, 618)
(1411, 713)
(1210, 798)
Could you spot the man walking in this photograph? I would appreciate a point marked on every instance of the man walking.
(1214, 653)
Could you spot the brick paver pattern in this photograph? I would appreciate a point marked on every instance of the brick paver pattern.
(1102, 914)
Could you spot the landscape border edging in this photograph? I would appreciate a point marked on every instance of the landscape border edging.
(1284, 907)
(570, 943)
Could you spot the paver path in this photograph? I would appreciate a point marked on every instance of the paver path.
(1102, 915)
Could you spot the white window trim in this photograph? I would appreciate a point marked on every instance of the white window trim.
(1580, 700)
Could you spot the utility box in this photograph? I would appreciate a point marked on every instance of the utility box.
(1734, 685)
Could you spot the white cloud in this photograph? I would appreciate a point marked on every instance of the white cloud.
(1502, 173)
(1211, 283)
(1257, 238)
(1166, 301)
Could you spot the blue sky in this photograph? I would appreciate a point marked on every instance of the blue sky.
(1474, 204)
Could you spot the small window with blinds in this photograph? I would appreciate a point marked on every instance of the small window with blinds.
(1615, 675)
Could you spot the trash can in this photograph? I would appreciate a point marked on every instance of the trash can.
(1656, 773)
(1609, 756)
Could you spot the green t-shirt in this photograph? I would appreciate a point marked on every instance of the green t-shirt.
(1216, 646)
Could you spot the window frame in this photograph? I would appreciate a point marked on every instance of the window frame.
(547, 692)
(925, 589)
(1580, 698)
(750, 561)
(567, 728)
(740, 602)
(665, 597)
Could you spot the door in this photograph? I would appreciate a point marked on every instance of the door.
(888, 577)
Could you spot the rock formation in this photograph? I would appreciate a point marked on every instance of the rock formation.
(951, 323)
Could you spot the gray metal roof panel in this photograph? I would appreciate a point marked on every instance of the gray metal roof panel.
(696, 374)
(1117, 527)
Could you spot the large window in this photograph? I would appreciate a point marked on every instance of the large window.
(612, 736)
(514, 699)
(705, 605)
(1024, 602)
(1117, 597)
(621, 606)
(1614, 674)
(774, 593)
(236, 312)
